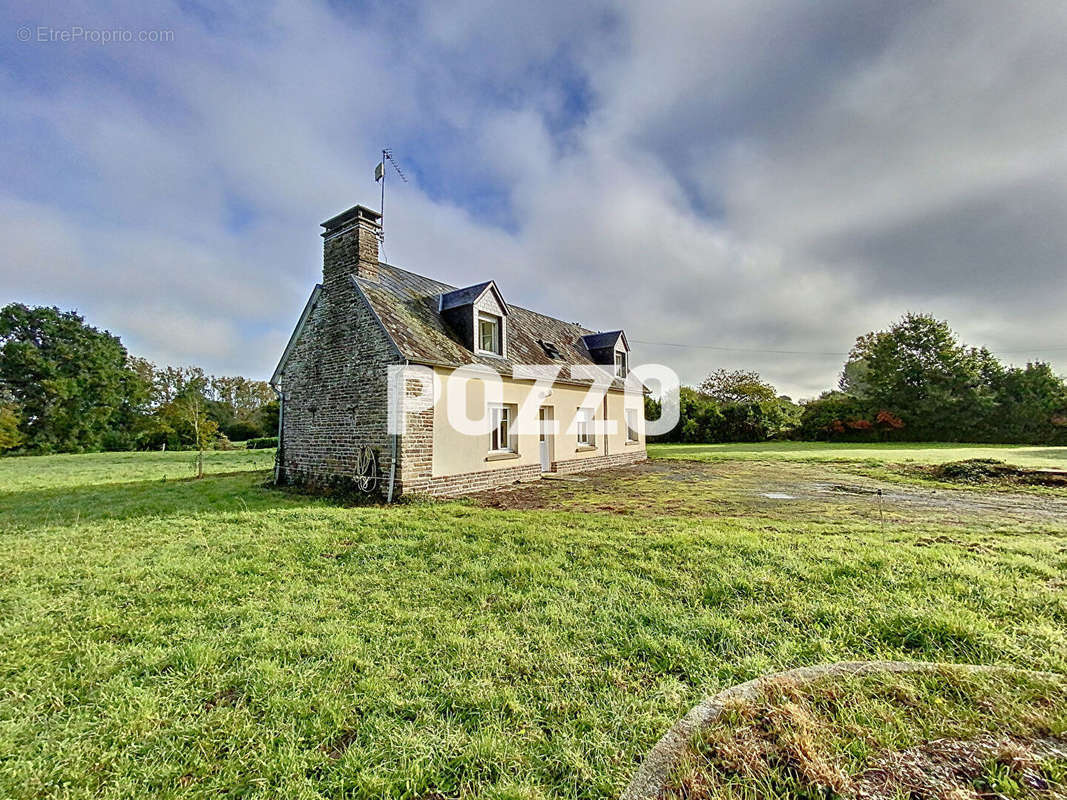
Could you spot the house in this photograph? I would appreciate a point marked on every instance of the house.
(383, 362)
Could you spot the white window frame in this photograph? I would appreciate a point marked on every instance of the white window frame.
(498, 321)
(632, 434)
(583, 426)
(501, 415)
(622, 363)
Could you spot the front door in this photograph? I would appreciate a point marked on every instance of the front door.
(544, 420)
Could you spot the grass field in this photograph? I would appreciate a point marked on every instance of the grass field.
(919, 453)
(95, 469)
(174, 638)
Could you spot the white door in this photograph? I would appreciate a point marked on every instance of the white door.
(544, 418)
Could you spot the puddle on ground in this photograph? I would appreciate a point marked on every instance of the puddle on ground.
(778, 495)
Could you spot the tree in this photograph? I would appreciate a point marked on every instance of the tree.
(132, 425)
(703, 418)
(740, 386)
(919, 370)
(66, 386)
(243, 396)
(10, 435)
(1031, 405)
(183, 419)
(854, 377)
(750, 408)
(69, 380)
(790, 414)
(268, 417)
(190, 406)
(235, 402)
(917, 380)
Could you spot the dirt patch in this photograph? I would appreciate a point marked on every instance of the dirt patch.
(844, 489)
(787, 490)
(227, 697)
(513, 498)
(944, 769)
(336, 748)
(979, 768)
(993, 471)
(972, 547)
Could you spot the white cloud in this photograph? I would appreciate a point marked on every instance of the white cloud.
(766, 175)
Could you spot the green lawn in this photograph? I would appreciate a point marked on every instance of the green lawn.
(920, 453)
(210, 638)
(94, 469)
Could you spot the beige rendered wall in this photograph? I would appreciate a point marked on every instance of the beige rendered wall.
(456, 453)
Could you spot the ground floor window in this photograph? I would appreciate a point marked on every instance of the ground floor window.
(500, 436)
(584, 425)
(631, 425)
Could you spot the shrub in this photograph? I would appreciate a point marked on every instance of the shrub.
(262, 443)
(242, 431)
(826, 416)
(888, 420)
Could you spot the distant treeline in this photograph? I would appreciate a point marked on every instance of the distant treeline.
(913, 382)
(66, 387)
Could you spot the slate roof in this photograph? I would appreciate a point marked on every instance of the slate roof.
(407, 305)
(464, 297)
(597, 341)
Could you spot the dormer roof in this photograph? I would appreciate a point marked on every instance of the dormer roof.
(605, 340)
(470, 295)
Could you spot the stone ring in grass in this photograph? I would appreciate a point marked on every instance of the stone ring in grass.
(871, 731)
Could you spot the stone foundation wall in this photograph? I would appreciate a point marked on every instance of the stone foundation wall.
(454, 485)
(631, 455)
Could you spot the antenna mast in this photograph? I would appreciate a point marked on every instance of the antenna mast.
(379, 175)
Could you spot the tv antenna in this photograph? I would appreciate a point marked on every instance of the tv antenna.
(379, 176)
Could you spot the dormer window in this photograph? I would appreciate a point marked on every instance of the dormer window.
(610, 350)
(478, 318)
(490, 334)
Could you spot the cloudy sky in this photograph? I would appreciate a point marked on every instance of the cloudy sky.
(760, 180)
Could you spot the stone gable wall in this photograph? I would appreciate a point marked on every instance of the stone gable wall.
(335, 386)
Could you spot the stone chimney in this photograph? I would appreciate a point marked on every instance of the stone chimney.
(350, 246)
